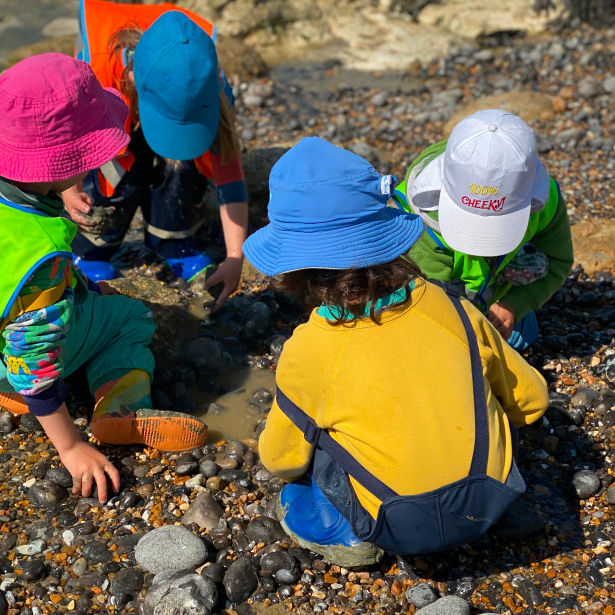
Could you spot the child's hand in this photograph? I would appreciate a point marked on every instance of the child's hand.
(502, 317)
(229, 274)
(86, 464)
(79, 205)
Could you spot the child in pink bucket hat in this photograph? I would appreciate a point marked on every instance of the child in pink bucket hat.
(56, 124)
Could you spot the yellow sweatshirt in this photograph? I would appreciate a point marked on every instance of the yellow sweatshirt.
(398, 396)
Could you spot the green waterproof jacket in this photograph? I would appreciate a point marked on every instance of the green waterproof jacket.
(30, 238)
(476, 276)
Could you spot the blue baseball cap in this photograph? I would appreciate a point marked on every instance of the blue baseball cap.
(177, 80)
(328, 210)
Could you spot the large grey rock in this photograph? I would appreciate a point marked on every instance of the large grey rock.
(170, 547)
(204, 511)
(421, 595)
(180, 593)
(449, 605)
(240, 581)
(207, 357)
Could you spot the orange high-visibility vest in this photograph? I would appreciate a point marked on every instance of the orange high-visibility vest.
(98, 21)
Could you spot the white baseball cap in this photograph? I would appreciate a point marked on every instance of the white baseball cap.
(487, 183)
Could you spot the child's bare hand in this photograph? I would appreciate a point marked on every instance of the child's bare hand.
(87, 465)
(229, 274)
(79, 205)
(106, 289)
(502, 317)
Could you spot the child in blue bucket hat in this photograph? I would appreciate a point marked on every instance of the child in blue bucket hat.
(397, 403)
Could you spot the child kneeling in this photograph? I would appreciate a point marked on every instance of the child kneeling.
(496, 223)
(396, 401)
(56, 124)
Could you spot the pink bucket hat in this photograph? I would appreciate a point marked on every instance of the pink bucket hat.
(56, 120)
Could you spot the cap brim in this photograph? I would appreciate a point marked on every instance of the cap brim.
(541, 187)
(477, 235)
(425, 189)
(372, 242)
(180, 141)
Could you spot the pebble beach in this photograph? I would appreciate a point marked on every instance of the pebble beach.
(197, 532)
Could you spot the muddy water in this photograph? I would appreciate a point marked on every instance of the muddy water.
(234, 389)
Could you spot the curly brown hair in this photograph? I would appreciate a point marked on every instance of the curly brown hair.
(128, 37)
(353, 290)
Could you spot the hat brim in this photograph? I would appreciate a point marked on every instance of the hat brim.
(478, 235)
(180, 141)
(66, 160)
(380, 239)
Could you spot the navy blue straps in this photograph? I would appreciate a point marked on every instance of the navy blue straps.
(319, 438)
(480, 456)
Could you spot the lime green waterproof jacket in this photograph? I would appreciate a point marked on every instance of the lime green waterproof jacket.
(548, 230)
(30, 238)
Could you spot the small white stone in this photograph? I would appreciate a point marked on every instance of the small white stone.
(68, 537)
(30, 482)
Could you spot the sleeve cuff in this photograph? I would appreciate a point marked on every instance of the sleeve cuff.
(48, 401)
(233, 192)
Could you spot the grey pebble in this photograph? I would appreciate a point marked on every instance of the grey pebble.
(240, 581)
(421, 595)
(60, 476)
(170, 547)
(180, 592)
(97, 552)
(208, 468)
(586, 484)
(204, 511)
(46, 494)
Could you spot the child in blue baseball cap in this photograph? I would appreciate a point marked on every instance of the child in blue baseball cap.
(164, 62)
(388, 376)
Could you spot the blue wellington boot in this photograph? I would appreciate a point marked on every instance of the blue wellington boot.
(313, 522)
(97, 271)
(190, 267)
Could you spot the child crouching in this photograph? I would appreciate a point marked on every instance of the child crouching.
(396, 401)
(56, 124)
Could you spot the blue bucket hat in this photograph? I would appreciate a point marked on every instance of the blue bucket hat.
(328, 210)
(177, 80)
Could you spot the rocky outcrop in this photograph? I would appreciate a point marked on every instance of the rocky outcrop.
(480, 18)
(529, 106)
(594, 244)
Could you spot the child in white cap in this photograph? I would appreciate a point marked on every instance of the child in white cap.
(496, 224)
